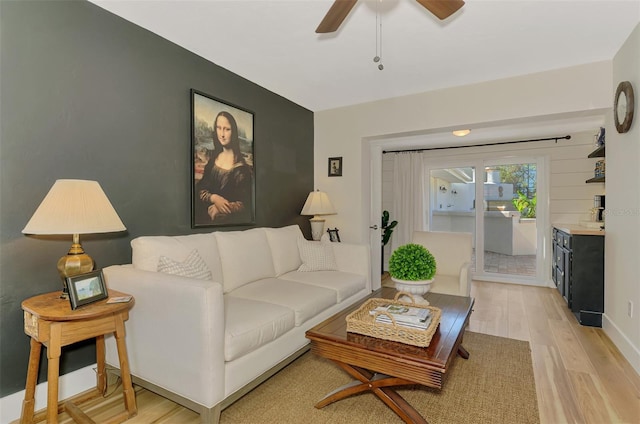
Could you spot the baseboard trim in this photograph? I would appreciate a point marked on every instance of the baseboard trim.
(70, 385)
(622, 342)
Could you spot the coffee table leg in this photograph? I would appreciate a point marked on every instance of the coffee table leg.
(381, 386)
(463, 352)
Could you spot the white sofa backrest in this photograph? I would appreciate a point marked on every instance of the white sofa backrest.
(245, 257)
(146, 251)
(284, 248)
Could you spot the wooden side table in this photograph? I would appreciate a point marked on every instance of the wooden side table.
(49, 321)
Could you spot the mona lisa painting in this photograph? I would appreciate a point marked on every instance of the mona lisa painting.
(222, 165)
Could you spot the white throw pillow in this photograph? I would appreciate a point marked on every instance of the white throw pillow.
(316, 256)
(192, 267)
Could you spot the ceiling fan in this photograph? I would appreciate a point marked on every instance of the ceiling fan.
(341, 8)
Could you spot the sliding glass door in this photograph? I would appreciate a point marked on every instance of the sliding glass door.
(452, 200)
(510, 232)
(496, 201)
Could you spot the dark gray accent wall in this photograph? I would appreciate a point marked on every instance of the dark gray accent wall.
(88, 95)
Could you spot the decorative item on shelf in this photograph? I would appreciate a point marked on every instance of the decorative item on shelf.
(74, 207)
(412, 268)
(600, 137)
(600, 168)
(333, 235)
(317, 204)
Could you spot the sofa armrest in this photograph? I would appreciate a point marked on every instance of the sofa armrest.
(354, 258)
(465, 279)
(175, 332)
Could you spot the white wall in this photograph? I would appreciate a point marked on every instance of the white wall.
(622, 242)
(585, 89)
(342, 131)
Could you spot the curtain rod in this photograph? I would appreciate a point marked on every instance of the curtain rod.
(566, 137)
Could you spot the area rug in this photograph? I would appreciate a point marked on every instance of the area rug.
(495, 385)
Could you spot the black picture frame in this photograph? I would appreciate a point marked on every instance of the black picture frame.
(335, 167)
(86, 288)
(221, 195)
(333, 235)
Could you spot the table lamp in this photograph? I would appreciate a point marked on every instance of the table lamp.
(317, 204)
(74, 207)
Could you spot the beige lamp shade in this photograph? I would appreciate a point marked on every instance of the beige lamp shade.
(317, 204)
(74, 207)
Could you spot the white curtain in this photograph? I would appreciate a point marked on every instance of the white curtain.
(409, 197)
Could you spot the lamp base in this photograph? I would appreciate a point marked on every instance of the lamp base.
(317, 227)
(75, 262)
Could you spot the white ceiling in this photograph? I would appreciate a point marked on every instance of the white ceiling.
(273, 43)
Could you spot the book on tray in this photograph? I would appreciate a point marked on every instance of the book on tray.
(406, 316)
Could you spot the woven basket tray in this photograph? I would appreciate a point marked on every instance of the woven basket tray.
(362, 322)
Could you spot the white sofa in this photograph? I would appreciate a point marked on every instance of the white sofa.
(206, 339)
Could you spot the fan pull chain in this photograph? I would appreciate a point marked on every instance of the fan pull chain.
(378, 57)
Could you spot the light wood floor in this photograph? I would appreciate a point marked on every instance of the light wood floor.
(580, 375)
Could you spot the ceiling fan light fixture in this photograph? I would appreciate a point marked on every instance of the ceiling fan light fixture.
(461, 133)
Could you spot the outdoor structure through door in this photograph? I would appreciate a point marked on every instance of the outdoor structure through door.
(507, 202)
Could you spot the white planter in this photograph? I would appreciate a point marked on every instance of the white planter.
(416, 288)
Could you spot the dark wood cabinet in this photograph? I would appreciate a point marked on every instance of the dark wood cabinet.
(578, 273)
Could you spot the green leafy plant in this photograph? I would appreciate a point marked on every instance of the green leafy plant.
(387, 227)
(526, 206)
(412, 262)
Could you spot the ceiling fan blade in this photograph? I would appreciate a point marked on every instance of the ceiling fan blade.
(334, 17)
(442, 8)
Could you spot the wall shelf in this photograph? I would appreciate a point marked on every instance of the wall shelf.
(595, 180)
(598, 153)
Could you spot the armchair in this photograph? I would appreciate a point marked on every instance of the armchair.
(453, 253)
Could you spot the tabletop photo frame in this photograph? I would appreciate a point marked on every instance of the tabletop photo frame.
(86, 288)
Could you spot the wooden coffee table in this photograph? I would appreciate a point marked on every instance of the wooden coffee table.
(379, 365)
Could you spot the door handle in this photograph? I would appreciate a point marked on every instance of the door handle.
(373, 227)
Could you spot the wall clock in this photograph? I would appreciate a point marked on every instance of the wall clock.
(623, 106)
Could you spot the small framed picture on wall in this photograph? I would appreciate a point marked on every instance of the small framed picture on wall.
(335, 167)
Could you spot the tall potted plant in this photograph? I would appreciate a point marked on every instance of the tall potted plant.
(412, 268)
(387, 230)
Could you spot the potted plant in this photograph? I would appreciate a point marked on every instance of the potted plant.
(412, 268)
(387, 230)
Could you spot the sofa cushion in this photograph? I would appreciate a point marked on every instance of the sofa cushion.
(245, 257)
(345, 284)
(193, 266)
(316, 256)
(305, 300)
(284, 248)
(146, 251)
(250, 324)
